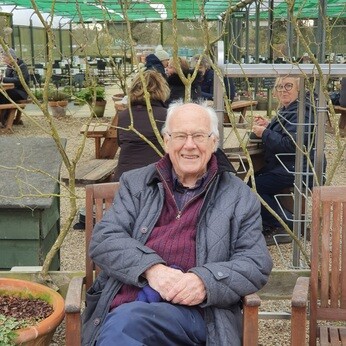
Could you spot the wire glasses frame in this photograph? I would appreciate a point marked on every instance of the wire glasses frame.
(197, 137)
(281, 87)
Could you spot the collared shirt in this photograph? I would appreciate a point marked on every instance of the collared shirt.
(183, 194)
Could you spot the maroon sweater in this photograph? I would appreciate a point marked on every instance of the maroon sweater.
(174, 235)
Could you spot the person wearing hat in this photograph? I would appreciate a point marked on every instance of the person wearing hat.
(157, 61)
(11, 76)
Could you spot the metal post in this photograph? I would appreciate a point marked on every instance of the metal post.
(161, 33)
(60, 40)
(247, 36)
(298, 179)
(257, 40)
(218, 92)
(71, 41)
(321, 30)
(289, 34)
(321, 128)
(32, 42)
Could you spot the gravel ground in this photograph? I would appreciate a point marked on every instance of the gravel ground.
(272, 332)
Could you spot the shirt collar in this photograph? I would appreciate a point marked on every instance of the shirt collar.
(178, 186)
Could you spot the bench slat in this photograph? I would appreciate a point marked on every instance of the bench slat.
(92, 171)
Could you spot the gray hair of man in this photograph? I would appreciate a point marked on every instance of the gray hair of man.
(209, 111)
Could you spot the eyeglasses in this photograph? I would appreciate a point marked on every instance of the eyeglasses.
(287, 87)
(197, 137)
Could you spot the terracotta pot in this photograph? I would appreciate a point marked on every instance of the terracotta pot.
(58, 108)
(118, 97)
(42, 333)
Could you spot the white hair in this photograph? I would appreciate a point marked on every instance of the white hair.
(204, 105)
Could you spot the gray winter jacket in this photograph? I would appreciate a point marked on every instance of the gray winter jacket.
(232, 257)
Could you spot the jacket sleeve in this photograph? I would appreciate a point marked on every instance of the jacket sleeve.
(249, 264)
(283, 138)
(114, 247)
(207, 86)
(280, 135)
(14, 78)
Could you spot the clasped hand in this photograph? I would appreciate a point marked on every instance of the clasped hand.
(259, 126)
(175, 286)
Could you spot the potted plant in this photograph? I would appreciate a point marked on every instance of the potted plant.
(95, 97)
(58, 101)
(30, 333)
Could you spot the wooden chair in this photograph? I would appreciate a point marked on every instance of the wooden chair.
(327, 284)
(99, 198)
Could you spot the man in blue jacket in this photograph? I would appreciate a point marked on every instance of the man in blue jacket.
(179, 248)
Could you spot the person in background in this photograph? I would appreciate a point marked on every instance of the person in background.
(11, 76)
(176, 84)
(179, 247)
(278, 137)
(135, 152)
(342, 99)
(157, 61)
(207, 80)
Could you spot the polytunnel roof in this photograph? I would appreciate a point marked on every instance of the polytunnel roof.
(138, 10)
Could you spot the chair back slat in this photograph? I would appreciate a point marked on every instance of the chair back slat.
(99, 197)
(343, 258)
(325, 254)
(335, 254)
(328, 252)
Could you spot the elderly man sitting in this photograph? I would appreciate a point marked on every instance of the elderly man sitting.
(180, 247)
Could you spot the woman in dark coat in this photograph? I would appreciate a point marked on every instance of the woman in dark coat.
(11, 76)
(279, 143)
(206, 80)
(177, 86)
(135, 152)
(157, 61)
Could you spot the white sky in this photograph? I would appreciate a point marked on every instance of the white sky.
(22, 17)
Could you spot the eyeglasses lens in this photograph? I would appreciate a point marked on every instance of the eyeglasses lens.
(287, 87)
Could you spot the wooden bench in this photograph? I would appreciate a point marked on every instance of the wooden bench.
(13, 110)
(17, 120)
(92, 172)
(240, 106)
(105, 131)
(15, 114)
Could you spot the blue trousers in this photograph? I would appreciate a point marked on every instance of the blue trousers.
(153, 324)
(268, 185)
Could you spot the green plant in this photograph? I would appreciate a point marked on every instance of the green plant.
(57, 95)
(89, 93)
(7, 327)
(38, 94)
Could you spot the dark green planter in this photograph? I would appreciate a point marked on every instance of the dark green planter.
(98, 110)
